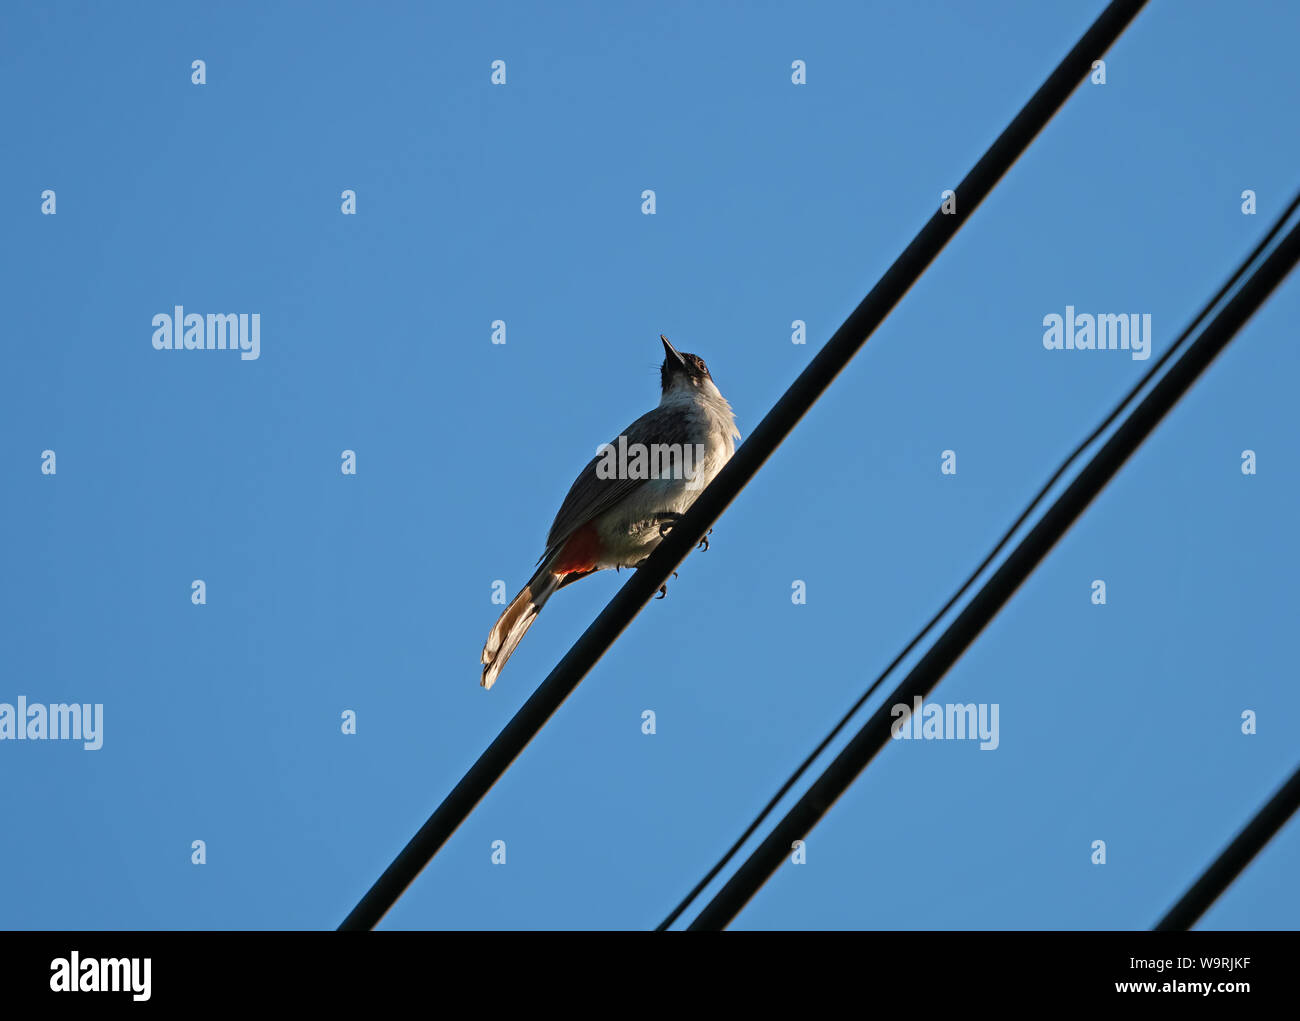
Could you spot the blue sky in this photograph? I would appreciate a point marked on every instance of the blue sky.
(522, 203)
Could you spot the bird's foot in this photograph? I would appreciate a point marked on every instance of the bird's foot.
(666, 526)
(663, 589)
(669, 519)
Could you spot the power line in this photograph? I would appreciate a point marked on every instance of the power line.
(1074, 455)
(922, 679)
(749, 457)
(1235, 857)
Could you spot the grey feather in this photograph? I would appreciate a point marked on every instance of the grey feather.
(591, 496)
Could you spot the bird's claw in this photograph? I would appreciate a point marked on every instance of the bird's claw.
(667, 526)
(663, 589)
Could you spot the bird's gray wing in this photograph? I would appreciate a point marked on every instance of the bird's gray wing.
(591, 496)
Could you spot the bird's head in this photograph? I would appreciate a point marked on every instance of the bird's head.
(683, 370)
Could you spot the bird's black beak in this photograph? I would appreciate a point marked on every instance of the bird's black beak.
(672, 350)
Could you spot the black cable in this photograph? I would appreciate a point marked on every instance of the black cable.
(975, 574)
(948, 647)
(1235, 857)
(749, 457)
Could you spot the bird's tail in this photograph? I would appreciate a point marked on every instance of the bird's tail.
(515, 621)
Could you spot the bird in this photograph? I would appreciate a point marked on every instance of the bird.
(622, 504)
